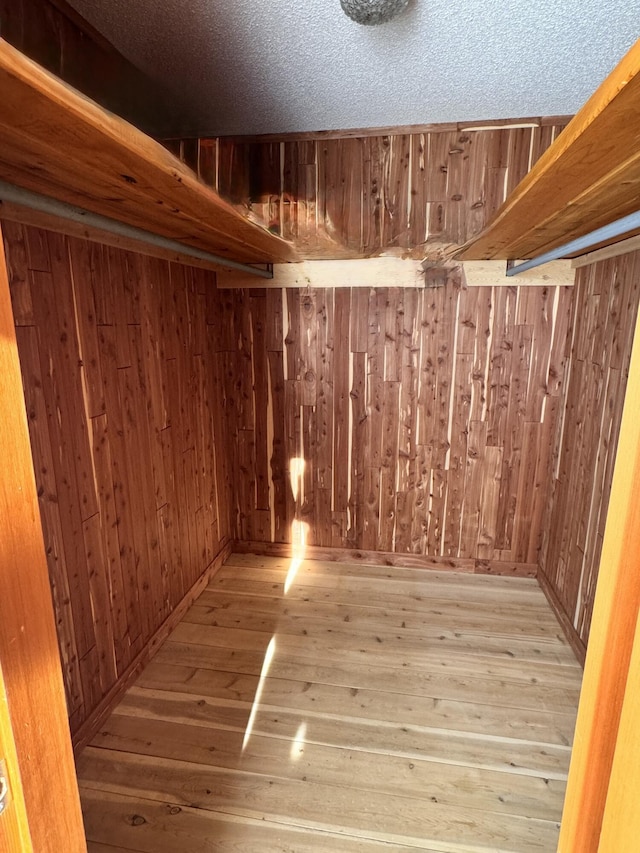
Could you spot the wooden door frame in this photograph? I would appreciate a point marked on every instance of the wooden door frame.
(14, 824)
(31, 664)
(621, 822)
(611, 641)
(37, 728)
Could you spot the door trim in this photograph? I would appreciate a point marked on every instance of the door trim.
(615, 613)
(28, 643)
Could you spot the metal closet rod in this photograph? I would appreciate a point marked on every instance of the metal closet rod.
(45, 204)
(614, 229)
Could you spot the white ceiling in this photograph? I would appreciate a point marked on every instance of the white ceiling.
(277, 66)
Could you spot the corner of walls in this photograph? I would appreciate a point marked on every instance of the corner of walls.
(578, 646)
(606, 297)
(90, 727)
(116, 353)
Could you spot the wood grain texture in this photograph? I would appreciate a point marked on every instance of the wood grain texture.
(611, 662)
(118, 368)
(423, 419)
(33, 726)
(620, 826)
(394, 272)
(362, 730)
(414, 193)
(86, 731)
(392, 130)
(54, 35)
(587, 179)
(600, 338)
(117, 171)
(27, 216)
(14, 826)
(622, 247)
(389, 558)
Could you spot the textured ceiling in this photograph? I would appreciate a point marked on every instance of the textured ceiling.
(276, 66)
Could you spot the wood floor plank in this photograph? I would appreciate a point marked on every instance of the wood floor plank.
(341, 702)
(146, 826)
(372, 592)
(464, 665)
(440, 745)
(394, 646)
(311, 805)
(502, 792)
(425, 607)
(530, 691)
(419, 575)
(222, 610)
(368, 709)
(426, 582)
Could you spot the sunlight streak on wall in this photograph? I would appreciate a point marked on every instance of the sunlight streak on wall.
(296, 473)
(299, 531)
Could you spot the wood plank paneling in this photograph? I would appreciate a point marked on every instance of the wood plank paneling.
(609, 706)
(429, 432)
(119, 368)
(118, 171)
(586, 180)
(34, 739)
(600, 336)
(410, 192)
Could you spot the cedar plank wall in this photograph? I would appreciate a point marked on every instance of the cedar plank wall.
(425, 417)
(115, 349)
(604, 314)
(357, 197)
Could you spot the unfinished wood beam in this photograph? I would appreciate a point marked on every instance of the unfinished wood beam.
(588, 178)
(56, 142)
(397, 272)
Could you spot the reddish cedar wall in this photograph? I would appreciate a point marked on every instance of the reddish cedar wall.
(425, 417)
(123, 414)
(604, 314)
(357, 197)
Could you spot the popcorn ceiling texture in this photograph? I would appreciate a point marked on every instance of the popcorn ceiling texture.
(278, 66)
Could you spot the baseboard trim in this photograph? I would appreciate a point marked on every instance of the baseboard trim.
(387, 558)
(573, 638)
(91, 725)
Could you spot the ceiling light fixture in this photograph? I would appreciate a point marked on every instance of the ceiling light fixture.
(373, 11)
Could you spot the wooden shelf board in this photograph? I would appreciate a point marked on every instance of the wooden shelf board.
(588, 178)
(56, 142)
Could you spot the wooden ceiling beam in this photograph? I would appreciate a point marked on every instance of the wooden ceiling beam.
(589, 177)
(56, 142)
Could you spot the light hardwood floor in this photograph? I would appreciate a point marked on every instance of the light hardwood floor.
(365, 709)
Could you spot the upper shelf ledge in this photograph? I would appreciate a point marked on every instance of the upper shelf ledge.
(57, 142)
(588, 178)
